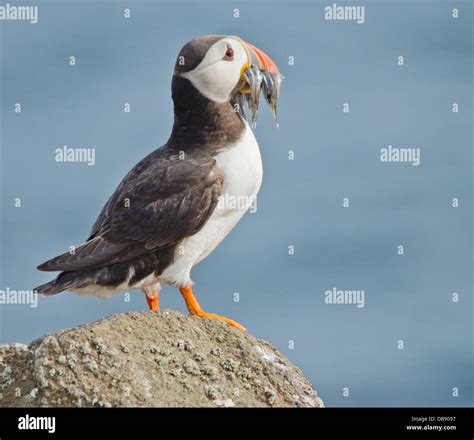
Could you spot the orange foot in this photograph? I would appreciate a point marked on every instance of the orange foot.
(195, 309)
(151, 295)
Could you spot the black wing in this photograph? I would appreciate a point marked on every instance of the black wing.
(161, 201)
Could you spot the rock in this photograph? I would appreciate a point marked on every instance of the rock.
(159, 359)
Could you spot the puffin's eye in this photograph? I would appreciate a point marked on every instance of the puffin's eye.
(229, 53)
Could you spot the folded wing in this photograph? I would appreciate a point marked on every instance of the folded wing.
(160, 202)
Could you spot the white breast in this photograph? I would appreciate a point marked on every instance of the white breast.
(241, 165)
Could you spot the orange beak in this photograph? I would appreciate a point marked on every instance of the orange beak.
(259, 74)
(261, 59)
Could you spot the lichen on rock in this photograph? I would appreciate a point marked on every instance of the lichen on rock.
(150, 359)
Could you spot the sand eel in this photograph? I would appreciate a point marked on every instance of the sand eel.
(165, 215)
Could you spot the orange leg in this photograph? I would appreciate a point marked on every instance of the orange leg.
(195, 309)
(151, 295)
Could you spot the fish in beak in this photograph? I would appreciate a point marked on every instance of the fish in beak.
(259, 75)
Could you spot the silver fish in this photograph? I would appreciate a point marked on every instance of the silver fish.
(257, 80)
(271, 86)
(253, 76)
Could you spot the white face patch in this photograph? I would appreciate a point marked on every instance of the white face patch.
(216, 77)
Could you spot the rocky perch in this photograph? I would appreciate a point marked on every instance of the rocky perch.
(150, 359)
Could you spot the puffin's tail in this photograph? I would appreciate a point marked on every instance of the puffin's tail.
(53, 287)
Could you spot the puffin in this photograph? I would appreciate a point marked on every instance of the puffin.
(178, 203)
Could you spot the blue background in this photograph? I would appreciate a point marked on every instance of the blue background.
(336, 155)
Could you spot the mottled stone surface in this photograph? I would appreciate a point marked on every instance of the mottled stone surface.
(151, 359)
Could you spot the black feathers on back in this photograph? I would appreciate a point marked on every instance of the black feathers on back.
(163, 200)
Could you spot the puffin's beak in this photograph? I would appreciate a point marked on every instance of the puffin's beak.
(260, 59)
(259, 73)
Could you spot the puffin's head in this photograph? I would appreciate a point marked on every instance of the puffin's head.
(227, 69)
